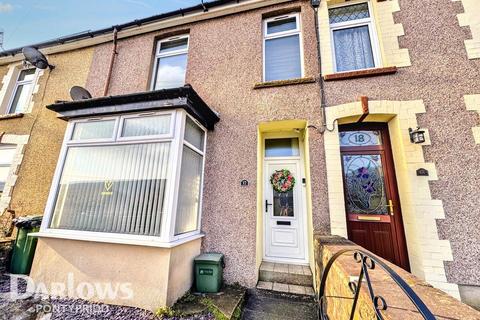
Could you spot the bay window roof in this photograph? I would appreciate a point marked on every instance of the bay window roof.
(182, 97)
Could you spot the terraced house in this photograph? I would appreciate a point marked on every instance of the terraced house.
(199, 116)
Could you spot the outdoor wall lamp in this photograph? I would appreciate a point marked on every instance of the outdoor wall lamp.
(416, 136)
(315, 3)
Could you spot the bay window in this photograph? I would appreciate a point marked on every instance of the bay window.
(131, 175)
(355, 44)
(170, 63)
(282, 48)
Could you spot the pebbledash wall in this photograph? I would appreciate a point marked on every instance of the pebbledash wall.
(436, 79)
(38, 134)
(224, 64)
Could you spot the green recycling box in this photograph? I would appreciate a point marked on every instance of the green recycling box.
(209, 272)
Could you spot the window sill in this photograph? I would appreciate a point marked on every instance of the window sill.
(11, 116)
(280, 83)
(360, 74)
(154, 242)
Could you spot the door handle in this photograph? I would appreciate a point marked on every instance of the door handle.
(390, 207)
(266, 205)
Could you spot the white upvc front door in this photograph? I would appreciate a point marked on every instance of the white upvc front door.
(284, 215)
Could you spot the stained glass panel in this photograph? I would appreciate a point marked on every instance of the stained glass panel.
(349, 13)
(364, 184)
(360, 138)
(283, 204)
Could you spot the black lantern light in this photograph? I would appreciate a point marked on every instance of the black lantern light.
(315, 3)
(417, 135)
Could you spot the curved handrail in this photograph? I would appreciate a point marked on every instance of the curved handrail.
(368, 263)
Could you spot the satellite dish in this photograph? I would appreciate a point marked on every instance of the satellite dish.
(36, 58)
(79, 93)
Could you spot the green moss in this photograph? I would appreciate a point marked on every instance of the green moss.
(165, 312)
(211, 307)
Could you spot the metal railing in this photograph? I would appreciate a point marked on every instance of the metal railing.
(369, 262)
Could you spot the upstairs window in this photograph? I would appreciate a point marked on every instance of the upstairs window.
(282, 48)
(355, 44)
(7, 153)
(22, 91)
(170, 63)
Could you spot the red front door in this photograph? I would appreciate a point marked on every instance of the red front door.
(374, 217)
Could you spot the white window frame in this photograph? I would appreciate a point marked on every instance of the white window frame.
(297, 30)
(159, 55)
(369, 22)
(177, 182)
(4, 146)
(20, 83)
(71, 141)
(176, 140)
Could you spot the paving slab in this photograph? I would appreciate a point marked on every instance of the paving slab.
(266, 305)
(229, 300)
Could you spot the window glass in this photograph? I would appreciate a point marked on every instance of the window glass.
(283, 204)
(27, 75)
(171, 64)
(117, 189)
(194, 134)
(146, 126)
(189, 191)
(21, 98)
(22, 91)
(353, 49)
(7, 153)
(360, 138)
(171, 71)
(93, 130)
(364, 184)
(174, 45)
(282, 58)
(282, 25)
(349, 13)
(281, 147)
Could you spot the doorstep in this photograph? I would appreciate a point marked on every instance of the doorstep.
(286, 288)
(286, 278)
(286, 273)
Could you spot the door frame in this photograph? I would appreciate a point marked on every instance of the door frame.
(398, 229)
(302, 191)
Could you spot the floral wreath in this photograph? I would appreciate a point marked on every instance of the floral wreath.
(282, 181)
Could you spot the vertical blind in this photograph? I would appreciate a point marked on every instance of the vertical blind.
(93, 130)
(282, 58)
(146, 126)
(118, 189)
(189, 191)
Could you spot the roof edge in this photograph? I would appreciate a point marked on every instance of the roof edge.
(185, 97)
(209, 10)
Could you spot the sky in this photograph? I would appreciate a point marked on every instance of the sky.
(27, 22)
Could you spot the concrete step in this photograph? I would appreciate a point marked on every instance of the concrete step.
(285, 273)
(286, 288)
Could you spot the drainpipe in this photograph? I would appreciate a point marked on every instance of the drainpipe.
(321, 83)
(112, 61)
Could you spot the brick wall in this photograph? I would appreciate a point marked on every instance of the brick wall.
(339, 297)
